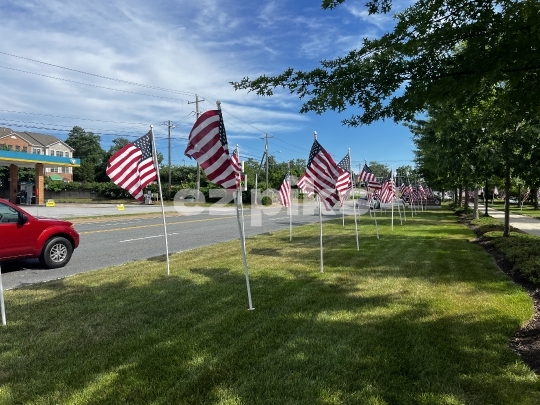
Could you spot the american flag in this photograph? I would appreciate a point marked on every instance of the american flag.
(305, 183)
(237, 167)
(429, 192)
(388, 189)
(344, 183)
(132, 167)
(411, 193)
(324, 172)
(421, 192)
(503, 195)
(367, 176)
(284, 195)
(403, 189)
(496, 191)
(207, 144)
(526, 195)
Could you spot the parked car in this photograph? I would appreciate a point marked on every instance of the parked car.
(362, 202)
(23, 236)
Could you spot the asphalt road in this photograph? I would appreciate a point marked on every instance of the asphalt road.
(120, 239)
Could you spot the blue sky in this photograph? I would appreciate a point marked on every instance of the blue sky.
(114, 67)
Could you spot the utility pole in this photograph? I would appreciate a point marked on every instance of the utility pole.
(266, 136)
(196, 102)
(170, 126)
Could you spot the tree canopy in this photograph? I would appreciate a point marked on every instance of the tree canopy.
(439, 50)
(87, 147)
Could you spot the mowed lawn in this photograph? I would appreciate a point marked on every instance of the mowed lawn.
(419, 316)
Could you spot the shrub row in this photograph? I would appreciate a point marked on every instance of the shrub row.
(522, 250)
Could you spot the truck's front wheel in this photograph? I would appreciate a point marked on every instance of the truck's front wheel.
(56, 252)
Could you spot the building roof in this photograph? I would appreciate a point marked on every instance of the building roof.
(35, 139)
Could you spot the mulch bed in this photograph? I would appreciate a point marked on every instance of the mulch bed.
(526, 342)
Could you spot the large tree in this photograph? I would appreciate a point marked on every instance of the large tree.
(439, 50)
(88, 148)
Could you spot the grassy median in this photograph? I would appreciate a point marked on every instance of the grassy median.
(419, 316)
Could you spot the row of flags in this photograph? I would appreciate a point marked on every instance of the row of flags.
(135, 166)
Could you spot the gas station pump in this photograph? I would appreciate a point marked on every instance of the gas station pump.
(26, 193)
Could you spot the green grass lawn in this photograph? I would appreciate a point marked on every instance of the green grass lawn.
(419, 316)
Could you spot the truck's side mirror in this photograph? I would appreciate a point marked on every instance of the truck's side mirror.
(23, 219)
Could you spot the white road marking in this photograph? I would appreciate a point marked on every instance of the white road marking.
(148, 237)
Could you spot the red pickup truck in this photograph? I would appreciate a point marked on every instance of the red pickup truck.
(24, 236)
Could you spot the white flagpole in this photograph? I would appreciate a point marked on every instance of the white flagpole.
(290, 202)
(399, 210)
(374, 211)
(320, 231)
(375, 217)
(320, 220)
(2, 305)
(154, 153)
(354, 204)
(240, 219)
(392, 214)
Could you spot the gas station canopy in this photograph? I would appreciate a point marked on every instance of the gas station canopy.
(22, 159)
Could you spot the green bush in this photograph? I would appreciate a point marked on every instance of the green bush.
(266, 200)
(523, 251)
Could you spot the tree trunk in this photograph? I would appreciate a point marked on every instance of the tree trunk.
(466, 206)
(507, 200)
(460, 196)
(486, 200)
(476, 214)
(535, 199)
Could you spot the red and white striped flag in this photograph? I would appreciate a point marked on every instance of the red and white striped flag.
(344, 183)
(305, 183)
(207, 144)
(526, 195)
(284, 195)
(367, 176)
(388, 189)
(132, 167)
(237, 167)
(421, 192)
(324, 172)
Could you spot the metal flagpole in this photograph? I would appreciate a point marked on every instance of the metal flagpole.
(392, 178)
(404, 207)
(399, 210)
(320, 219)
(2, 306)
(354, 204)
(320, 231)
(154, 153)
(240, 218)
(290, 202)
(375, 217)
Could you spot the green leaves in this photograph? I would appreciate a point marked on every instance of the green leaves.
(439, 51)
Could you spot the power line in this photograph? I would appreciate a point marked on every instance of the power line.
(134, 84)
(91, 85)
(100, 76)
(73, 118)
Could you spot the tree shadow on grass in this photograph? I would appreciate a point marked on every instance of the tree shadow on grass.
(188, 338)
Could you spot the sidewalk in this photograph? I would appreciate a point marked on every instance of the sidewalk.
(521, 222)
(92, 210)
